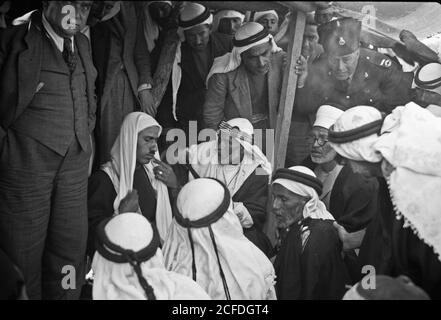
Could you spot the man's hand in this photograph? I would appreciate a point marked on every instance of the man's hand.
(147, 102)
(164, 172)
(301, 70)
(350, 240)
(129, 203)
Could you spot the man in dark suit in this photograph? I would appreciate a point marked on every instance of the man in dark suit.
(47, 111)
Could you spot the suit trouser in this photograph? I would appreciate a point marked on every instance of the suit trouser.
(43, 214)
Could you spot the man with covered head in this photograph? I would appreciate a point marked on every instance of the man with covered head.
(269, 20)
(246, 82)
(309, 264)
(349, 196)
(350, 75)
(129, 265)
(134, 180)
(236, 161)
(198, 47)
(401, 150)
(228, 21)
(206, 243)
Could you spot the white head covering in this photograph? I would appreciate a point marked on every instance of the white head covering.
(248, 273)
(232, 60)
(122, 167)
(189, 12)
(118, 281)
(360, 149)
(261, 14)
(314, 208)
(151, 28)
(226, 14)
(326, 116)
(115, 10)
(204, 158)
(411, 142)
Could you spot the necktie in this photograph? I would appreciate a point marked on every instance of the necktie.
(69, 55)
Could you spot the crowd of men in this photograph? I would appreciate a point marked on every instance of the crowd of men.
(88, 183)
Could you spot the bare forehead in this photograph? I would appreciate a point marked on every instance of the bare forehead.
(319, 130)
(268, 17)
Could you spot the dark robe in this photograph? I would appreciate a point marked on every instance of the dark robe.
(315, 272)
(415, 259)
(102, 194)
(254, 195)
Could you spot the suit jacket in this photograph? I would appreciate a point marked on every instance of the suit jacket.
(228, 94)
(20, 64)
(135, 65)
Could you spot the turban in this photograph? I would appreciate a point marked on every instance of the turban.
(260, 14)
(122, 167)
(302, 181)
(206, 242)
(192, 15)
(249, 35)
(411, 142)
(226, 14)
(355, 132)
(128, 264)
(327, 115)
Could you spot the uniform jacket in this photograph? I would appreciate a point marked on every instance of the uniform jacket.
(20, 61)
(378, 81)
(228, 94)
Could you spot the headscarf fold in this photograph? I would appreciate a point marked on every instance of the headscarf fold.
(190, 12)
(151, 28)
(411, 142)
(314, 208)
(248, 273)
(122, 167)
(232, 60)
(260, 14)
(119, 281)
(226, 14)
(362, 123)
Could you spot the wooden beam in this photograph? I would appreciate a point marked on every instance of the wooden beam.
(288, 89)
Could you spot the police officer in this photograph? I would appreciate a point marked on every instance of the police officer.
(349, 75)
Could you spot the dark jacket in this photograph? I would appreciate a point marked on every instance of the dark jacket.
(20, 60)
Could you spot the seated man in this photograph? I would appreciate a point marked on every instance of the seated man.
(349, 196)
(131, 171)
(234, 160)
(247, 82)
(128, 264)
(402, 150)
(309, 264)
(205, 242)
(269, 20)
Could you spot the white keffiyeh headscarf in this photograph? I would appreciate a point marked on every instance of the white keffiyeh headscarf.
(248, 273)
(260, 14)
(226, 14)
(190, 12)
(359, 149)
(411, 142)
(314, 208)
(122, 167)
(232, 60)
(118, 281)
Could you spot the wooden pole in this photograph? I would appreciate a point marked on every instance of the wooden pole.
(288, 95)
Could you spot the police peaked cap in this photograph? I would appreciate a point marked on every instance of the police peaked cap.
(340, 36)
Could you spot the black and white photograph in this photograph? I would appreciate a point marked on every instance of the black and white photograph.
(246, 152)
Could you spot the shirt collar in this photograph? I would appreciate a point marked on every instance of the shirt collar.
(59, 41)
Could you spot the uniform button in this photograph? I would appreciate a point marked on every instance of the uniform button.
(366, 75)
(370, 100)
(368, 58)
(347, 97)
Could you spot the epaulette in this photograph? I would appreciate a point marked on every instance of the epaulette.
(376, 58)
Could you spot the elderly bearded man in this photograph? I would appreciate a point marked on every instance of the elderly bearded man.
(237, 162)
(309, 264)
(47, 111)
